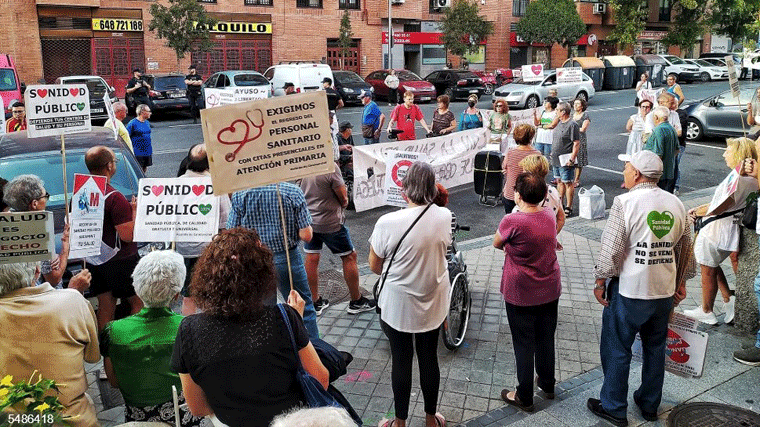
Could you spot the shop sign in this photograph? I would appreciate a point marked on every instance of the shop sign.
(116, 24)
(237, 27)
(413, 38)
(652, 35)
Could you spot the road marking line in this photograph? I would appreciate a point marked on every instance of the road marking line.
(624, 134)
(605, 170)
(184, 125)
(706, 146)
(611, 108)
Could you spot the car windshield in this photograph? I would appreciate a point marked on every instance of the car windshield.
(346, 78)
(407, 76)
(520, 81)
(96, 86)
(702, 63)
(675, 60)
(250, 80)
(169, 82)
(466, 75)
(7, 79)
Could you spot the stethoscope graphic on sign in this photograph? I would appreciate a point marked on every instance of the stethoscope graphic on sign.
(258, 126)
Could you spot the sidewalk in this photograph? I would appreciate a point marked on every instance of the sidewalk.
(473, 377)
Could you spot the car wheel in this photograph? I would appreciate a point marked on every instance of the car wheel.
(694, 131)
(489, 89)
(450, 93)
(582, 95)
(532, 102)
(705, 77)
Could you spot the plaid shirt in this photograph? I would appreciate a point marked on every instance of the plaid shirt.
(259, 209)
(615, 242)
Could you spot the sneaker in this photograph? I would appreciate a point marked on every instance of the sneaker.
(728, 308)
(699, 314)
(749, 356)
(320, 305)
(676, 192)
(595, 406)
(361, 305)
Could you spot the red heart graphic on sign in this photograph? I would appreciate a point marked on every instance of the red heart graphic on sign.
(42, 92)
(157, 189)
(536, 69)
(75, 91)
(198, 189)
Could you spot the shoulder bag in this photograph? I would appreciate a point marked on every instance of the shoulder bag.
(749, 217)
(702, 221)
(381, 280)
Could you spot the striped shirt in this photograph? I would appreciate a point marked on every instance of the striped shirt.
(511, 169)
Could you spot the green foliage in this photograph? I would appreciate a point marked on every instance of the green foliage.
(463, 29)
(31, 402)
(630, 18)
(346, 36)
(551, 21)
(737, 19)
(183, 25)
(690, 24)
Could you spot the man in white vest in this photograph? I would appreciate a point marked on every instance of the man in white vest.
(641, 274)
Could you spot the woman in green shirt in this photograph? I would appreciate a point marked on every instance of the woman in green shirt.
(500, 123)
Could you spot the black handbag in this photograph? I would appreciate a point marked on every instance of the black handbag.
(749, 217)
(381, 280)
(702, 221)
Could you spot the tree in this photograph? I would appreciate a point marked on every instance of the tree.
(345, 39)
(630, 18)
(551, 21)
(737, 19)
(690, 24)
(463, 29)
(184, 25)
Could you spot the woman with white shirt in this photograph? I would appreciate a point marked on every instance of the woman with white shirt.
(414, 298)
(635, 126)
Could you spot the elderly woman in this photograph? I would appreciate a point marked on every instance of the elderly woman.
(718, 239)
(531, 288)
(136, 350)
(414, 298)
(471, 117)
(500, 123)
(635, 126)
(523, 134)
(52, 331)
(538, 165)
(443, 119)
(235, 359)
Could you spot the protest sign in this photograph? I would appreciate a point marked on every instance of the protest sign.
(685, 347)
(26, 237)
(725, 190)
(733, 80)
(397, 163)
(57, 109)
(532, 72)
(86, 217)
(519, 117)
(218, 97)
(111, 115)
(176, 210)
(570, 75)
(266, 141)
(451, 156)
(2, 117)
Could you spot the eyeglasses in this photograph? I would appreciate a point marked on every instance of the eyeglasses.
(46, 196)
(18, 112)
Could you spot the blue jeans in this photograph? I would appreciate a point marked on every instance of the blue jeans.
(681, 150)
(368, 141)
(564, 173)
(300, 284)
(757, 294)
(621, 320)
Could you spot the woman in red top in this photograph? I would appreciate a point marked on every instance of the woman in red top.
(404, 115)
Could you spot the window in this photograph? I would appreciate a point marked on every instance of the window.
(665, 6)
(519, 7)
(348, 4)
(257, 2)
(206, 1)
(434, 7)
(309, 3)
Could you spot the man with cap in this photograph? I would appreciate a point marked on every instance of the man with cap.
(138, 88)
(641, 273)
(193, 82)
(664, 142)
(372, 119)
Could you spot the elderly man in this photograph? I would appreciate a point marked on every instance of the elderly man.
(641, 273)
(120, 111)
(372, 119)
(27, 193)
(566, 140)
(667, 100)
(664, 142)
(49, 330)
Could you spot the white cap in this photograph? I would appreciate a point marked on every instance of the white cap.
(646, 162)
(365, 93)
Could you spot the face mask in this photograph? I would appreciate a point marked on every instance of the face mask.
(471, 103)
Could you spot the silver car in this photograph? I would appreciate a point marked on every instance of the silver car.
(718, 116)
(520, 94)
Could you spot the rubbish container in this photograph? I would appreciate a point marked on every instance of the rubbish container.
(619, 72)
(652, 64)
(489, 178)
(592, 66)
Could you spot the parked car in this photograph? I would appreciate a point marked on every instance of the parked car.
(718, 115)
(709, 71)
(489, 80)
(305, 76)
(720, 55)
(250, 83)
(521, 94)
(168, 92)
(97, 87)
(424, 91)
(11, 88)
(456, 83)
(350, 85)
(685, 71)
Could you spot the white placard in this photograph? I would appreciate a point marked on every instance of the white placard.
(26, 237)
(86, 217)
(571, 74)
(57, 109)
(397, 163)
(2, 117)
(725, 190)
(219, 97)
(685, 347)
(518, 117)
(733, 80)
(111, 115)
(176, 210)
(532, 72)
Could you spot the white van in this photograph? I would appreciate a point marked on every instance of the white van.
(305, 76)
(682, 69)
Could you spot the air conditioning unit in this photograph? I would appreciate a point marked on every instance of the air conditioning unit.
(600, 8)
(441, 4)
(397, 1)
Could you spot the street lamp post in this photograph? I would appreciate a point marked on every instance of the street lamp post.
(390, 37)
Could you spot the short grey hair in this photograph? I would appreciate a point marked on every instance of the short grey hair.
(119, 106)
(326, 416)
(661, 112)
(564, 107)
(419, 183)
(22, 190)
(140, 108)
(17, 276)
(159, 277)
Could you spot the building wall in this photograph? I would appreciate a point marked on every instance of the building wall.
(21, 38)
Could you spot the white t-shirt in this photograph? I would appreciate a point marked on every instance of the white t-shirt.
(415, 297)
(195, 249)
(391, 81)
(544, 136)
(672, 119)
(724, 233)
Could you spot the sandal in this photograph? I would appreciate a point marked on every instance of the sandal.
(439, 418)
(515, 401)
(568, 211)
(385, 422)
(577, 184)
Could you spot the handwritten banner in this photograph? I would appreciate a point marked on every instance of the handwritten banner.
(451, 156)
(571, 74)
(218, 97)
(262, 142)
(86, 217)
(57, 109)
(26, 237)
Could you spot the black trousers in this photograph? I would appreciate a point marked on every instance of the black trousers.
(402, 351)
(533, 330)
(393, 96)
(193, 98)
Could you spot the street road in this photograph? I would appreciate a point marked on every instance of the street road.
(702, 164)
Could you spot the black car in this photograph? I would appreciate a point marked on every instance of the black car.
(168, 92)
(456, 83)
(350, 85)
(97, 88)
